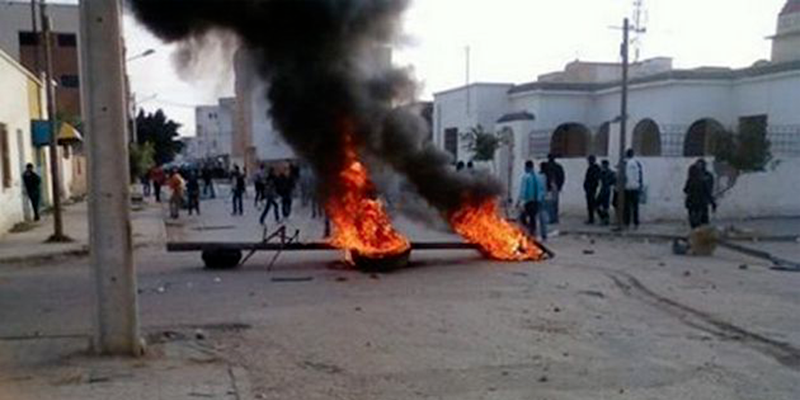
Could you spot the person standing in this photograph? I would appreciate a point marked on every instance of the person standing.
(634, 184)
(591, 182)
(193, 192)
(145, 181)
(33, 188)
(208, 182)
(269, 197)
(284, 186)
(543, 212)
(529, 194)
(158, 177)
(555, 183)
(176, 186)
(258, 183)
(608, 180)
(699, 190)
(239, 186)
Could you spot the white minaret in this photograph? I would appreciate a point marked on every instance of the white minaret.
(786, 42)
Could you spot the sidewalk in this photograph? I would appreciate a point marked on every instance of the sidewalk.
(180, 366)
(778, 229)
(29, 245)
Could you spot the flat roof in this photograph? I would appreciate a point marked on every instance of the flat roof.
(703, 73)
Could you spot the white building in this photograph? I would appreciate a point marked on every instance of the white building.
(214, 130)
(256, 139)
(672, 114)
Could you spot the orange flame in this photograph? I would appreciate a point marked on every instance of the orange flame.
(360, 221)
(482, 225)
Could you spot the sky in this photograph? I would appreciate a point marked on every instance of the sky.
(510, 41)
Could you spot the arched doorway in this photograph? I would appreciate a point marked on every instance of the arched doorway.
(701, 137)
(600, 147)
(570, 140)
(647, 138)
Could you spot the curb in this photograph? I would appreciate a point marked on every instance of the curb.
(79, 251)
(668, 236)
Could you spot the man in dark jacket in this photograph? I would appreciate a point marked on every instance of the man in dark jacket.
(699, 190)
(608, 180)
(33, 185)
(555, 183)
(239, 186)
(590, 184)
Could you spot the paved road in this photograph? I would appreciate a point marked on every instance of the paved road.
(607, 319)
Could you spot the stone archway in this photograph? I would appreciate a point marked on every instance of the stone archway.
(647, 138)
(570, 140)
(700, 138)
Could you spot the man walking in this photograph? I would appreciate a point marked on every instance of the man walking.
(555, 183)
(634, 184)
(239, 186)
(530, 194)
(33, 184)
(591, 182)
(176, 185)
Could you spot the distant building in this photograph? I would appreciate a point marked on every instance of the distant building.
(214, 130)
(256, 139)
(672, 116)
(19, 41)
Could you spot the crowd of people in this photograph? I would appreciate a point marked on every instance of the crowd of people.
(538, 200)
(274, 189)
(539, 196)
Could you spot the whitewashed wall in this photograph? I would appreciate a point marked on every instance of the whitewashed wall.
(771, 193)
(15, 115)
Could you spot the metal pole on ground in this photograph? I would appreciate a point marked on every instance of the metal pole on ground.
(111, 248)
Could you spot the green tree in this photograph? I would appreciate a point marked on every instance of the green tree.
(481, 143)
(746, 151)
(142, 159)
(161, 132)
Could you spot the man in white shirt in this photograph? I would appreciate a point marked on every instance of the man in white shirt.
(634, 184)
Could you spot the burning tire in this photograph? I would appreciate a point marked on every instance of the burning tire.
(222, 258)
(381, 264)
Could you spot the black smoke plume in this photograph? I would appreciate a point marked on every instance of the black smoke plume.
(312, 54)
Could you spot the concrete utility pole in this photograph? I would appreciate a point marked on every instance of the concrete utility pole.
(623, 119)
(111, 247)
(55, 176)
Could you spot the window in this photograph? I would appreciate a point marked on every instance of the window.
(67, 40)
(70, 81)
(754, 123)
(451, 141)
(5, 157)
(28, 39)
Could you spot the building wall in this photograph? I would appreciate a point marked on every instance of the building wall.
(15, 17)
(665, 178)
(15, 116)
(468, 107)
